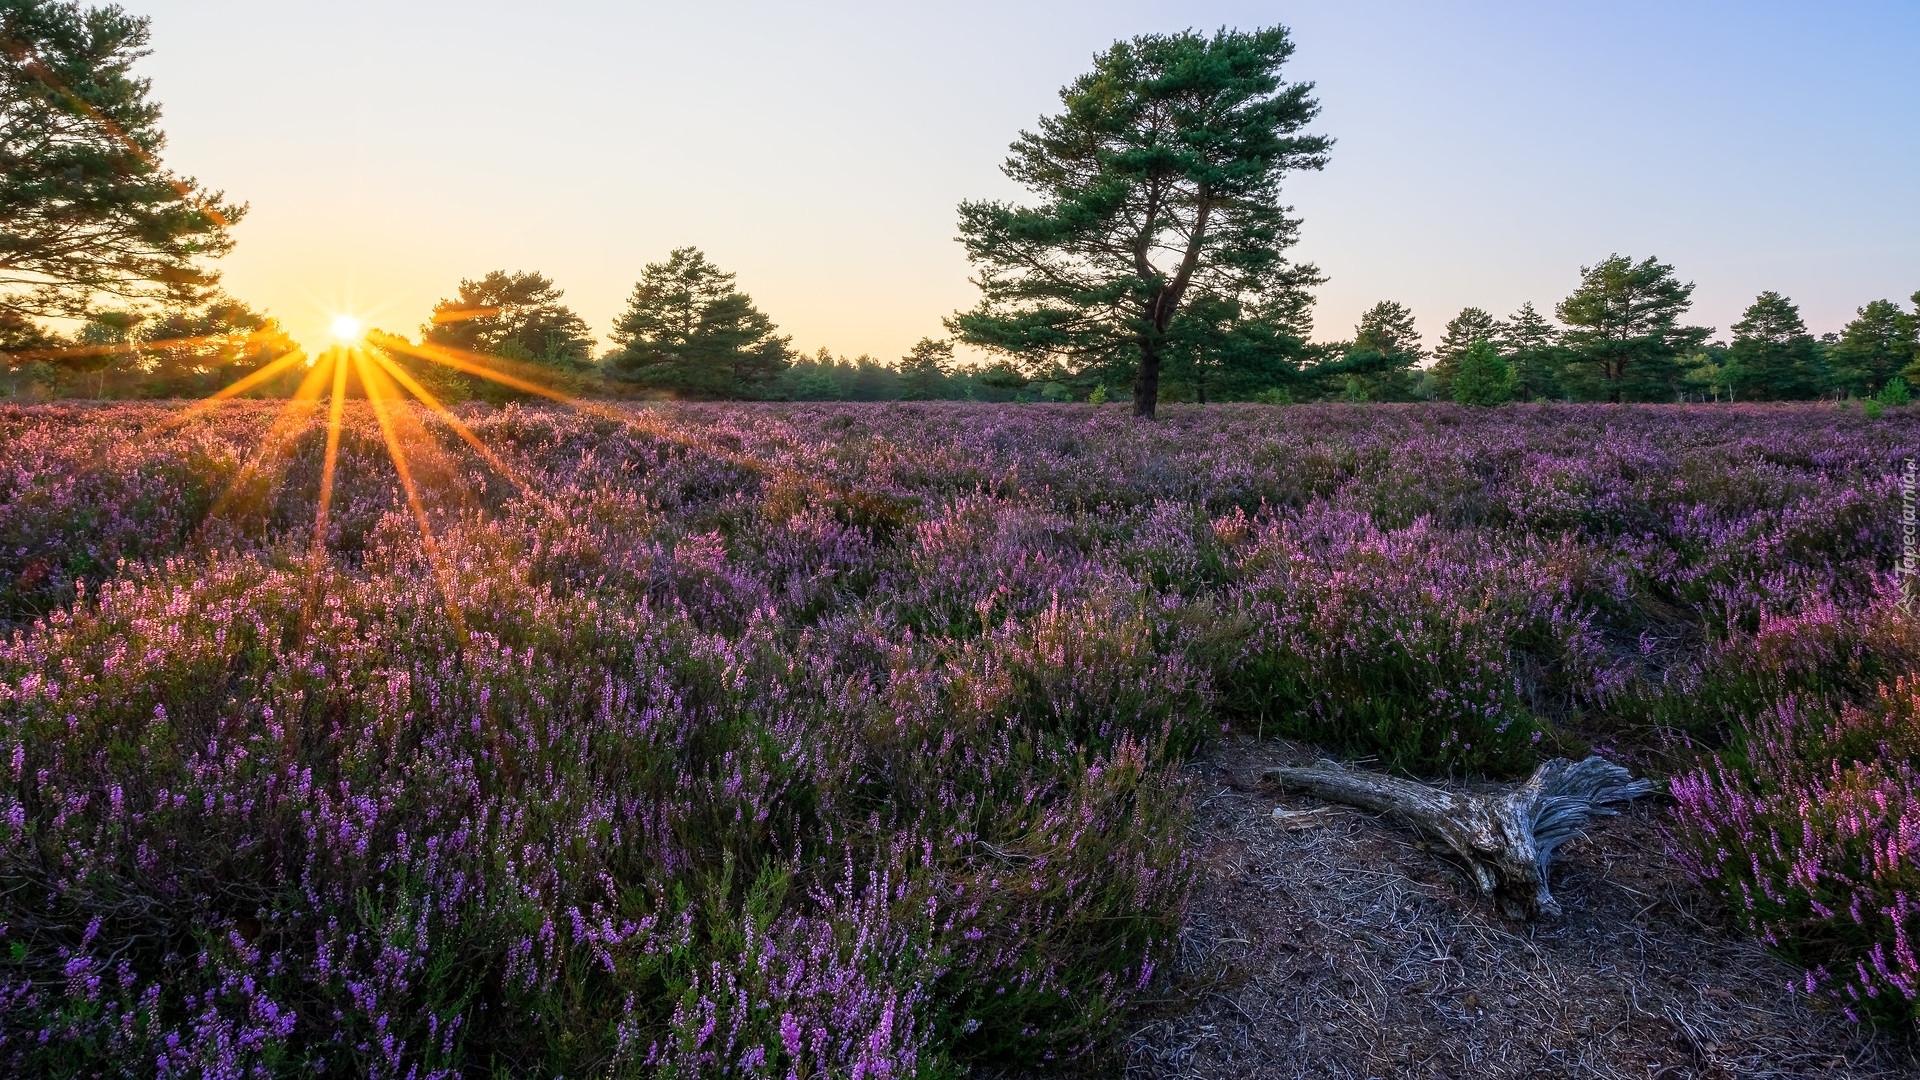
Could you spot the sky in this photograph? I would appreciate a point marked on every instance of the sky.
(1484, 151)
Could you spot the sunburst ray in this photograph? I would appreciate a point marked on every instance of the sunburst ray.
(426, 397)
(442, 318)
(111, 348)
(240, 500)
(238, 386)
(471, 363)
(336, 411)
(383, 402)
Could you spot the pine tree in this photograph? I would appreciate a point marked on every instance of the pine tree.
(24, 346)
(1470, 326)
(107, 343)
(1911, 372)
(1532, 348)
(1624, 337)
(925, 370)
(1227, 350)
(872, 380)
(1483, 377)
(1380, 361)
(1158, 183)
(521, 308)
(688, 331)
(1873, 348)
(193, 352)
(86, 208)
(1773, 358)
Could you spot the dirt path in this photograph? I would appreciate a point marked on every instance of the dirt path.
(1331, 943)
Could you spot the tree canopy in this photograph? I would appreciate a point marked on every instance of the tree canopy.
(926, 369)
(515, 315)
(1468, 328)
(1386, 348)
(87, 210)
(688, 331)
(1623, 332)
(1773, 358)
(1157, 184)
(1875, 347)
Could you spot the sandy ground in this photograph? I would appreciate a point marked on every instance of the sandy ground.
(1333, 943)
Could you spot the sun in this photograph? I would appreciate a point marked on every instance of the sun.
(348, 329)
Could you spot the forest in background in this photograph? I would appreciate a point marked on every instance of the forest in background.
(689, 333)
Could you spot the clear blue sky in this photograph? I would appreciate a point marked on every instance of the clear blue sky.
(1485, 150)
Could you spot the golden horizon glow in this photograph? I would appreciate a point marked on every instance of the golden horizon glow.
(373, 360)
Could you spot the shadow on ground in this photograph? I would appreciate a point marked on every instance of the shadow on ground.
(1331, 943)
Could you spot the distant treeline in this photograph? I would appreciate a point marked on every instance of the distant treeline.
(688, 332)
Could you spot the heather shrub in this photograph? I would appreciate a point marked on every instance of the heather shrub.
(76, 497)
(1051, 738)
(822, 740)
(551, 836)
(1811, 835)
(1824, 652)
(979, 560)
(590, 836)
(1413, 646)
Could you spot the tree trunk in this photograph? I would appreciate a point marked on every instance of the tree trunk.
(1506, 839)
(1146, 385)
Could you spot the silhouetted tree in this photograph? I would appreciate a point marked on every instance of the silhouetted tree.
(514, 316)
(1158, 181)
(24, 348)
(193, 352)
(1623, 336)
(86, 208)
(104, 348)
(688, 331)
(518, 315)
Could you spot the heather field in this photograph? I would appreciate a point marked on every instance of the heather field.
(858, 740)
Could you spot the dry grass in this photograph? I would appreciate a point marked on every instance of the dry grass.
(1332, 943)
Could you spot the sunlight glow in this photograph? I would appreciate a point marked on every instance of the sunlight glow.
(249, 493)
(336, 410)
(412, 386)
(471, 363)
(373, 360)
(382, 396)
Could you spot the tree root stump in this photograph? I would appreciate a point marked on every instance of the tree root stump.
(1506, 839)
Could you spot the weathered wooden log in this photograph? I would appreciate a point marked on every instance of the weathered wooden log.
(1506, 839)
